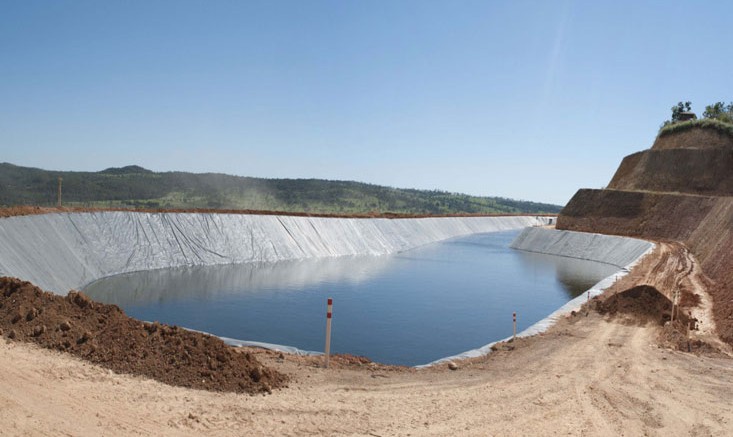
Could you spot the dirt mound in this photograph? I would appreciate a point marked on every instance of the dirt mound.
(104, 335)
(643, 303)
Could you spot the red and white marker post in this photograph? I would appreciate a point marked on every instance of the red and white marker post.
(329, 311)
(514, 322)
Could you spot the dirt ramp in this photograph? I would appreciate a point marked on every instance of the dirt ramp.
(104, 335)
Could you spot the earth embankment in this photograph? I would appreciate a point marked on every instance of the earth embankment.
(692, 171)
(700, 137)
(680, 190)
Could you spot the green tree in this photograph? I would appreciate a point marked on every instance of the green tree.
(719, 111)
(677, 111)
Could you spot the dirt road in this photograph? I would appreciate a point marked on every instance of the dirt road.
(587, 376)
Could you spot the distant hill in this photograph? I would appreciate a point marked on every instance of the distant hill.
(137, 187)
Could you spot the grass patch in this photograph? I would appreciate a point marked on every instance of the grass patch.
(706, 123)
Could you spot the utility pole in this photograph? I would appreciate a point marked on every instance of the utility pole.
(60, 191)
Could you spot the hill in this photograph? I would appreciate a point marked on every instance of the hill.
(135, 187)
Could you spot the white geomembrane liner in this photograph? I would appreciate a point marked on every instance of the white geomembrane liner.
(63, 251)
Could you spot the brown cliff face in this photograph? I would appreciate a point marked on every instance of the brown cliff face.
(691, 171)
(694, 138)
(682, 190)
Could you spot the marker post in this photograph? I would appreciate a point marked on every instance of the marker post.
(514, 322)
(329, 310)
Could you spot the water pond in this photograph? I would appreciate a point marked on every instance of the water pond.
(408, 308)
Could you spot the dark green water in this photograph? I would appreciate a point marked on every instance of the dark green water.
(410, 308)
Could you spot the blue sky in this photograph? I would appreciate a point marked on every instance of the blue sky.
(523, 99)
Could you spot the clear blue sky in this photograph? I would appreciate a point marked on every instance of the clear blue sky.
(523, 99)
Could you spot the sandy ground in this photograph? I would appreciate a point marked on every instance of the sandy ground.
(586, 376)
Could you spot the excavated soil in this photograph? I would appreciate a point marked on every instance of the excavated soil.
(104, 335)
(643, 303)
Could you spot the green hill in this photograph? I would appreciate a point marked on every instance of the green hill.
(136, 187)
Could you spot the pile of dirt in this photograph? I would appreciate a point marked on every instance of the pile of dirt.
(104, 335)
(643, 304)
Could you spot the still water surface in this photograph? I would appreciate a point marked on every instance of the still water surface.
(409, 308)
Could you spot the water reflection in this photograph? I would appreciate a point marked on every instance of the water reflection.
(211, 282)
(575, 275)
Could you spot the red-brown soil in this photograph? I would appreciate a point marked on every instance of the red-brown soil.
(643, 303)
(104, 335)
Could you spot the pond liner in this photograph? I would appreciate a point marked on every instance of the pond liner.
(63, 251)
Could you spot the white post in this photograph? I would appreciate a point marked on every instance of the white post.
(514, 320)
(329, 311)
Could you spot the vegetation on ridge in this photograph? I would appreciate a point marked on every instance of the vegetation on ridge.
(720, 126)
(718, 116)
(136, 187)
